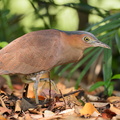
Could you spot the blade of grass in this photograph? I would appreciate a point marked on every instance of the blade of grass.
(107, 70)
(117, 38)
(114, 16)
(111, 25)
(65, 68)
(82, 61)
(117, 76)
(87, 67)
(96, 85)
(103, 37)
(9, 83)
(110, 88)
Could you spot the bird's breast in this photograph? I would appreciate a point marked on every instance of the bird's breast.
(70, 56)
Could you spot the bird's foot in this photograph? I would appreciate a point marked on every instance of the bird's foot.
(43, 74)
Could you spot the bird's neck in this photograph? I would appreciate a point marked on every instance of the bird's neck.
(69, 53)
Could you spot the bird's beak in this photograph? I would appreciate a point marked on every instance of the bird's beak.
(100, 44)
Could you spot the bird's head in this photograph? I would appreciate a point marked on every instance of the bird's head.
(90, 40)
(83, 40)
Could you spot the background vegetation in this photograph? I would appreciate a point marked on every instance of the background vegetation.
(102, 18)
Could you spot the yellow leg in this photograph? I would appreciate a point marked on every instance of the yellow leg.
(35, 87)
(36, 82)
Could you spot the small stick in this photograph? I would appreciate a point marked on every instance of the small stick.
(64, 95)
(2, 103)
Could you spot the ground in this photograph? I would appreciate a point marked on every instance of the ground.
(56, 102)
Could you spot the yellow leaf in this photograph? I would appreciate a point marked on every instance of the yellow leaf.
(88, 110)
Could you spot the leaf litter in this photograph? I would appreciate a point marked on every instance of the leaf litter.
(56, 102)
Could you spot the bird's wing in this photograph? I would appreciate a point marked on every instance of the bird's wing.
(29, 54)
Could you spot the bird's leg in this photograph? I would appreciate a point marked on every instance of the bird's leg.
(51, 83)
(50, 89)
(36, 82)
(35, 88)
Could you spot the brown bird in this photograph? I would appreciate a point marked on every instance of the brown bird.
(40, 51)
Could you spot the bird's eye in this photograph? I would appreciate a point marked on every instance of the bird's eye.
(86, 39)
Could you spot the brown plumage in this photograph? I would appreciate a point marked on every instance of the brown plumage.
(42, 50)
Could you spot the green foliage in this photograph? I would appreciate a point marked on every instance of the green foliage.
(9, 83)
(107, 69)
(117, 76)
(96, 85)
(117, 38)
(10, 27)
(106, 31)
(3, 44)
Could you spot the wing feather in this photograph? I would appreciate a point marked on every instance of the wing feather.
(30, 53)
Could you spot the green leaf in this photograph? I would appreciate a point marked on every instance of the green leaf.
(83, 61)
(117, 38)
(65, 68)
(3, 44)
(114, 16)
(117, 76)
(106, 35)
(9, 83)
(96, 85)
(107, 70)
(110, 89)
(111, 25)
(87, 67)
(56, 69)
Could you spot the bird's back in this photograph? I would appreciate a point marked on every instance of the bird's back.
(33, 52)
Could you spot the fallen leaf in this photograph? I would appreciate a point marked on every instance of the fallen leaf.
(2, 117)
(89, 110)
(28, 117)
(99, 104)
(115, 104)
(43, 89)
(3, 110)
(18, 106)
(113, 99)
(108, 114)
(68, 112)
(92, 97)
(48, 113)
(25, 105)
(63, 88)
(114, 109)
(2, 102)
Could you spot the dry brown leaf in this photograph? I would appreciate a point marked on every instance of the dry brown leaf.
(117, 117)
(18, 106)
(99, 104)
(48, 113)
(28, 117)
(114, 109)
(25, 105)
(15, 116)
(2, 102)
(108, 114)
(68, 112)
(2, 117)
(63, 88)
(43, 89)
(113, 99)
(89, 110)
(3, 110)
(115, 104)
(92, 97)
(36, 117)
